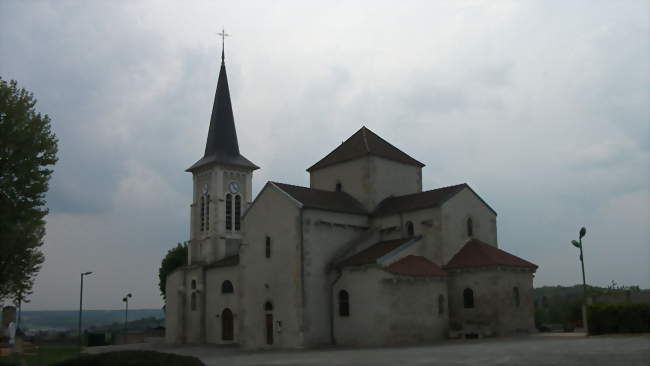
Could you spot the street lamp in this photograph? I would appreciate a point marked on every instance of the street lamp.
(81, 294)
(578, 244)
(126, 312)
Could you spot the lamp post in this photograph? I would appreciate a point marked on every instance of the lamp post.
(126, 312)
(578, 244)
(81, 294)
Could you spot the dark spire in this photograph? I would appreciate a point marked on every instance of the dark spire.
(222, 146)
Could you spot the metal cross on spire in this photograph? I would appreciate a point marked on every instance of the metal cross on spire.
(223, 35)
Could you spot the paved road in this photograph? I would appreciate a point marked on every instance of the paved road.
(536, 350)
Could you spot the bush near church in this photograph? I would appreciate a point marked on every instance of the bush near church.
(618, 318)
(133, 358)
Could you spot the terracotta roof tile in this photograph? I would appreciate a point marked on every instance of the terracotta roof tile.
(415, 201)
(372, 253)
(476, 253)
(364, 142)
(323, 200)
(413, 265)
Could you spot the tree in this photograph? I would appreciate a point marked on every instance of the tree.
(176, 257)
(28, 149)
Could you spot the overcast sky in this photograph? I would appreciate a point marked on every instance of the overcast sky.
(541, 106)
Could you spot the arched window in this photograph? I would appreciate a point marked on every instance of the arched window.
(207, 212)
(441, 304)
(410, 231)
(268, 306)
(470, 227)
(226, 287)
(468, 298)
(344, 303)
(193, 285)
(193, 301)
(202, 213)
(237, 212)
(268, 247)
(339, 187)
(229, 212)
(515, 295)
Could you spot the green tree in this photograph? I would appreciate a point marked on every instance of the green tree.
(28, 149)
(176, 257)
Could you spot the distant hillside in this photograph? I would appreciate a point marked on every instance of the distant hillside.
(68, 319)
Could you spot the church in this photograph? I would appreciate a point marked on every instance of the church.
(364, 256)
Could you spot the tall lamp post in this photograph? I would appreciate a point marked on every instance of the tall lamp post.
(81, 295)
(578, 244)
(126, 312)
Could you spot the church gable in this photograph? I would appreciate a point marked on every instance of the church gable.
(322, 200)
(364, 142)
(476, 254)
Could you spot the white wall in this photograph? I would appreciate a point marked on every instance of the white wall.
(454, 215)
(494, 304)
(389, 309)
(322, 240)
(174, 307)
(216, 302)
(277, 278)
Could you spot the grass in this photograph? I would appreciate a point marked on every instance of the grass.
(42, 356)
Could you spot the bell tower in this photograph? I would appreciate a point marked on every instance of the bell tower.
(222, 181)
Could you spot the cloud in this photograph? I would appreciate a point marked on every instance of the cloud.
(541, 107)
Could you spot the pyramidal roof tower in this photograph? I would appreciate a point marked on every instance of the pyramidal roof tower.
(222, 146)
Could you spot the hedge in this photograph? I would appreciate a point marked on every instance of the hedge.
(128, 358)
(618, 318)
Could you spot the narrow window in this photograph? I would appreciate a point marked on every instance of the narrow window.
(470, 227)
(207, 212)
(339, 187)
(193, 301)
(468, 298)
(202, 213)
(237, 212)
(193, 285)
(515, 294)
(226, 287)
(344, 303)
(228, 212)
(441, 304)
(410, 231)
(268, 306)
(268, 247)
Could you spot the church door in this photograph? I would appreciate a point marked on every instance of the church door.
(269, 328)
(227, 326)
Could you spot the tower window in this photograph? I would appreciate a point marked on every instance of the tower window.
(468, 298)
(228, 212)
(193, 301)
(339, 187)
(410, 231)
(202, 213)
(268, 306)
(515, 295)
(344, 303)
(237, 212)
(193, 285)
(227, 287)
(207, 212)
(268, 247)
(441, 304)
(470, 227)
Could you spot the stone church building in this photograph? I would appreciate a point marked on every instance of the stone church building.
(363, 256)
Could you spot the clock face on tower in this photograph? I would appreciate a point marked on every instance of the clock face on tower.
(233, 187)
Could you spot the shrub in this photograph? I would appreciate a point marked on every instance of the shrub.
(618, 318)
(128, 358)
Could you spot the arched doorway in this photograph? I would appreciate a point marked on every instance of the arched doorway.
(227, 325)
(268, 309)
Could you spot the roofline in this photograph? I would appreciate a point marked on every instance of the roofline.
(311, 168)
(390, 255)
(273, 186)
(486, 266)
(210, 164)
